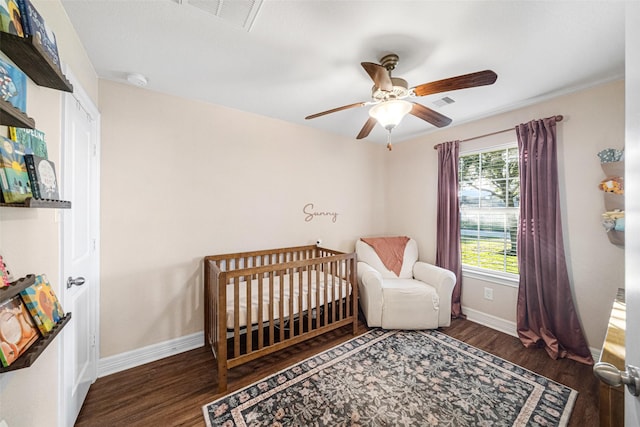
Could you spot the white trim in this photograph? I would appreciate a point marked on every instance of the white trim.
(496, 277)
(506, 326)
(490, 321)
(151, 353)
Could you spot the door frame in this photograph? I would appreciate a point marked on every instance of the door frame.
(87, 104)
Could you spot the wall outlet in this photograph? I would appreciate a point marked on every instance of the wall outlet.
(488, 294)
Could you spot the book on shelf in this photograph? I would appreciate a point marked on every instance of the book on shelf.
(14, 178)
(10, 17)
(43, 304)
(42, 175)
(4, 274)
(32, 139)
(17, 331)
(33, 24)
(13, 85)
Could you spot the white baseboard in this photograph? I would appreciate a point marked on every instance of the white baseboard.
(131, 359)
(506, 326)
(493, 322)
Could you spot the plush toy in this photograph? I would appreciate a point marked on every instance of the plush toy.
(613, 185)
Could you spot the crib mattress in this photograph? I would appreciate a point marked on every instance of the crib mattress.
(334, 289)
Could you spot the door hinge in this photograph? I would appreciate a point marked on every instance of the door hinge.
(95, 150)
(93, 244)
(93, 340)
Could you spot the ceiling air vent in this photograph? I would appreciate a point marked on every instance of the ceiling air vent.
(443, 101)
(241, 13)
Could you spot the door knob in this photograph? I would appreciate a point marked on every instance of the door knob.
(78, 281)
(609, 374)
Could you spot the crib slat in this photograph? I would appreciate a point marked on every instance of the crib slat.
(292, 322)
(249, 320)
(236, 316)
(300, 301)
(271, 308)
(326, 290)
(309, 306)
(260, 313)
(340, 308)
(281, 300)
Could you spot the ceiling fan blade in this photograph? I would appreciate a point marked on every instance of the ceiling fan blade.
(480, 78)
(429, 115)
(378, 74)
(334, 110)
(366, 129)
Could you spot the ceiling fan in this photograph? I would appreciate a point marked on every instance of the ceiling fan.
(389, 94)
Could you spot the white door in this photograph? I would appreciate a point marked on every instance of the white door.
(632, 202)
(80, 255)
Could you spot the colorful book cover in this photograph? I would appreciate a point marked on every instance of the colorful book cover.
(32, 139)
(10, 17)
(14, 178)
(4, 274)
(43, 304)
(17, 331)
(42, 174)
(34, 25)
(13, 85)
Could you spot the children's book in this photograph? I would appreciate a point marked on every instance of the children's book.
(13, 85)
(17, 331)
(32, 139)
(4, 274)
(10, 17)
(14, 178)
(33, 24)
(43, 304)
(42, 175)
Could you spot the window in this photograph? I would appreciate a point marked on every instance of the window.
(489, 193)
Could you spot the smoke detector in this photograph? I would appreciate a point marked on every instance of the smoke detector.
(137, 79)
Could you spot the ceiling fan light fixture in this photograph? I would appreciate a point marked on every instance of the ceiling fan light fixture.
(390, 113)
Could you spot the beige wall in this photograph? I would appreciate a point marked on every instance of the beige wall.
(184, 179)
(593, 120)
(29, 238)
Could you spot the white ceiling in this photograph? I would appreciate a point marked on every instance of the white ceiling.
(301, 57)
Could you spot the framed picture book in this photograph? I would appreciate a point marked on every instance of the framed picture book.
(10, 17)
(42, 175)
(33, 24)
(43, 304)
(13, 85)
(14, 178)
(17, 331)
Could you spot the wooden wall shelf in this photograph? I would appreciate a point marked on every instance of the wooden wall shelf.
(11, 116)
(34, 62)
(35, 203)
(28, 357)
(16, 287)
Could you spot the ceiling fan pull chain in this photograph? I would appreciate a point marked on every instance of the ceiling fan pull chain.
(389, 146)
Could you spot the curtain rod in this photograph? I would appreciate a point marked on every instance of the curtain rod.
(435, 147)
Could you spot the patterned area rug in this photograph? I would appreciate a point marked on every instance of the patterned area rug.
(398, 378)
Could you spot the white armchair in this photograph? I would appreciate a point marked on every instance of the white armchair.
(418, 298)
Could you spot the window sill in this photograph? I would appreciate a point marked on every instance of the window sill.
(505, 279)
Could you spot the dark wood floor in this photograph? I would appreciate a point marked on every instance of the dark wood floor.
(171, 392)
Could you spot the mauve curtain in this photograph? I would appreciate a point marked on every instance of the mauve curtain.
(546, 316)
(448, 234)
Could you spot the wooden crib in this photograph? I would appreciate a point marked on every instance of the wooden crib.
(260, 302)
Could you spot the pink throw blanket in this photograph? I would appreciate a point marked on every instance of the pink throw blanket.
(390, 250)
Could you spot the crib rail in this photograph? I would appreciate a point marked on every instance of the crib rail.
(299, 293)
